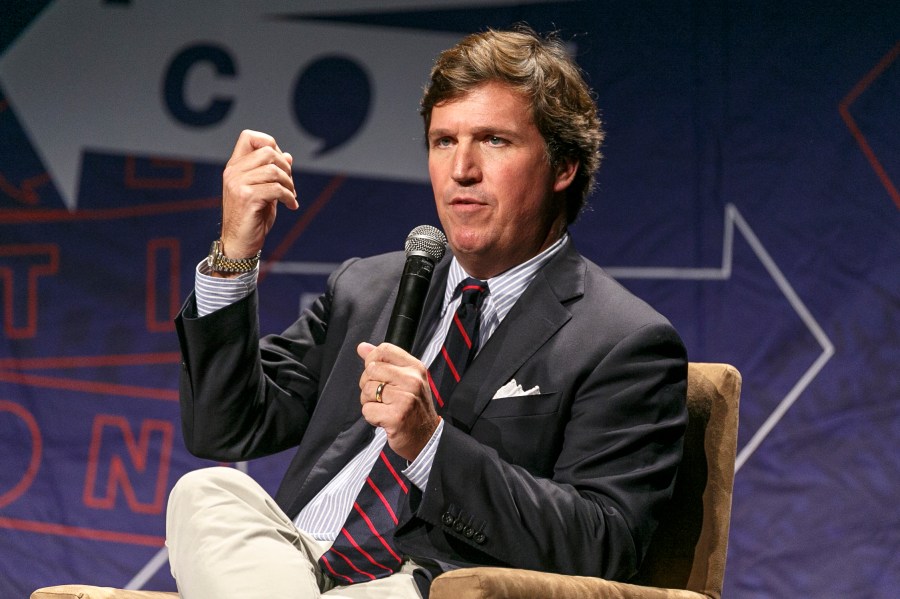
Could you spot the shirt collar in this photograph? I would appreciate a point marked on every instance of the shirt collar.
(505, 288)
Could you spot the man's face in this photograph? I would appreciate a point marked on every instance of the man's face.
(497, 197)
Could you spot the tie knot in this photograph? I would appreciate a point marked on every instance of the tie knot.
(472, 291)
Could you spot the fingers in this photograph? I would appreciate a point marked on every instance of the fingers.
(258, 161)
(389, 364)
(262, 176)
(380, 392)
(386, 352)
(409, 420)
(403, 376)
(249, 141)
(364, 349)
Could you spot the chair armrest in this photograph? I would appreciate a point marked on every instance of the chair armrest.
(507, 583)
(82, 591)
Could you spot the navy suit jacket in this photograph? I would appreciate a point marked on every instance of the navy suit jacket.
(570, 480)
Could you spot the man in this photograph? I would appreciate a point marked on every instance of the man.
(555, 448)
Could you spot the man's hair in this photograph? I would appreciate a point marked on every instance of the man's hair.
(562, 104)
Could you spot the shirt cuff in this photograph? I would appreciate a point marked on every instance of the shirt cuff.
(417, 472)
(214, 293)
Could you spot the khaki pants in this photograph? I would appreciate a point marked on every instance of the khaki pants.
(227, 538)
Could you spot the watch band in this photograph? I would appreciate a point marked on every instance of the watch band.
(217, 261)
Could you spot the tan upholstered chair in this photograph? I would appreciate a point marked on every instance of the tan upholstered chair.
(686, 559)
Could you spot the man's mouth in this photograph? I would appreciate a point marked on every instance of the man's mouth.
(466, 201)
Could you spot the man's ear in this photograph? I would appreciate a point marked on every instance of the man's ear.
(565, 174)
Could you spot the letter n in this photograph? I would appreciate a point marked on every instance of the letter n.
(138, 466)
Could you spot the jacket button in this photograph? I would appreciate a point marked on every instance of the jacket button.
(447, 519)
(469, 532)
(458, 526)
(480, 538)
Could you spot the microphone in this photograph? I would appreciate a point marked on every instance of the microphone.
(425, 245)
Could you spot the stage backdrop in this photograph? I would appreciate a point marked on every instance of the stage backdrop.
(749, 192)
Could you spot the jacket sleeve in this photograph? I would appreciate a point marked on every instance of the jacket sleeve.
(242, 397)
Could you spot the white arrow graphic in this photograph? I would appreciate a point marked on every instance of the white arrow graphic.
(733, 219)
(90, 76)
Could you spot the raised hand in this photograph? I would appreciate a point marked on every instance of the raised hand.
(256, 178)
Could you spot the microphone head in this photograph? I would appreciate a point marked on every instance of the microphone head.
(426, 241)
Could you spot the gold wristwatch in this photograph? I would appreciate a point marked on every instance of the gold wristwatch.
(217, 261)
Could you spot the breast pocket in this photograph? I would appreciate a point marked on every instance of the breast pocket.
(522, 405)
(525, 430)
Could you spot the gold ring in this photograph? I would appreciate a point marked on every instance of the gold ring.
(378, 392)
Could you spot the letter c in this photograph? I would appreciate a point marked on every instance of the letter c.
(176, 75)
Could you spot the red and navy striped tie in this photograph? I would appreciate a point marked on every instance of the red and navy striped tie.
(461, 343)
(364, 549)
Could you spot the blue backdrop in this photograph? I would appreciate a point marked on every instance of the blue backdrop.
(749, 192)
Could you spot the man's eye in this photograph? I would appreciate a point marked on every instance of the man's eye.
(442, 142)
(496, 141)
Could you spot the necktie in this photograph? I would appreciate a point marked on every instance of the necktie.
(364, 549)
(461, 343)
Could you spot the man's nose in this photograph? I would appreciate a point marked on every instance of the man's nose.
(466, 164)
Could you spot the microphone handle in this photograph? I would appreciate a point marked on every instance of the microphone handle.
(410, 301)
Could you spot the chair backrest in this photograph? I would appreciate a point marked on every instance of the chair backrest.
(689, 548)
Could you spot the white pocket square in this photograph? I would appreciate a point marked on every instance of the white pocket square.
(514, 389)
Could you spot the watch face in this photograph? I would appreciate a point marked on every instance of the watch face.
(213, 250)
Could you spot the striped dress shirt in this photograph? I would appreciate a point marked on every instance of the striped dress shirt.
(324, 515)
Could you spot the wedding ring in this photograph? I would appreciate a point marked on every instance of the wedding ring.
(378, 392)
